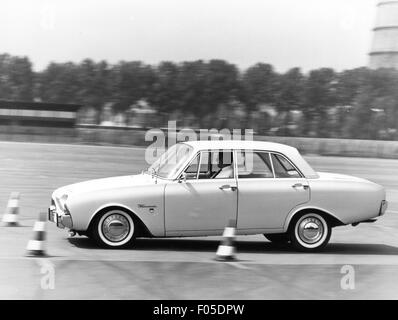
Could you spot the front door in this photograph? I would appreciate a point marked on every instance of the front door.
(205, 199)
(269, 188)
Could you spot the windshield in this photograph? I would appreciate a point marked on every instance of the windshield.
(170, 162)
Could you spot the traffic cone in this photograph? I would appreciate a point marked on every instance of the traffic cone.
(226, 250)
(36, 246)
(10, 218)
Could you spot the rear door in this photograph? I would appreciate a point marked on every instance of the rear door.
(269, 188)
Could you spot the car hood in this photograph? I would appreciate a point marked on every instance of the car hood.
(106, 183)
(337, 176)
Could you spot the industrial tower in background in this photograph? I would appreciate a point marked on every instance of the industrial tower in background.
(384, 52)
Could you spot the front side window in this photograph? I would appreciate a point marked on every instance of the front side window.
(252, 164)
(212, 165)
(283, 168)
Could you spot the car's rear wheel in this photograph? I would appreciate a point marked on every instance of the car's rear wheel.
(279, 238)
(310, 232)
(113, 229)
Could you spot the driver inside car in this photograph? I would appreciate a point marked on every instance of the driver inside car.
(225, 166)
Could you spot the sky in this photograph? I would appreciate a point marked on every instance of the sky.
(285, 33)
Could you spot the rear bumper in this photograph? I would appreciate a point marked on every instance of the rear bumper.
(382, 211)
(383, 207)
(61, 220)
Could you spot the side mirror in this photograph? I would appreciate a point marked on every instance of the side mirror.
(183, 177)
(186, 176)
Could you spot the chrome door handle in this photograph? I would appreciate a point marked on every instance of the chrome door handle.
(300, 185)
(228, 187)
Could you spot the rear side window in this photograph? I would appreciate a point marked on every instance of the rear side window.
(254, 164)
(283, 168)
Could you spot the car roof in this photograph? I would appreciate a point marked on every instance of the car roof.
(240, 144)
(290, 152)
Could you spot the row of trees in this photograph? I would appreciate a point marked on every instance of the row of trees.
(358, 103)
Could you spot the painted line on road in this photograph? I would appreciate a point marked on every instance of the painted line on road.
(238, 265)
(357, 260)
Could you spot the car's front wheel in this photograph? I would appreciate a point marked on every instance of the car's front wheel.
(310, 232)
(113, 229)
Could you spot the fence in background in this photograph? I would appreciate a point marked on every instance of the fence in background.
(125, 136)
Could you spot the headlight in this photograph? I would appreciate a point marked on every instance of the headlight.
(66, 210)
(62, 201)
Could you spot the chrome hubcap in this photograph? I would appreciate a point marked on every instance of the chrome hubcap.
(115, 227)
(310, 230)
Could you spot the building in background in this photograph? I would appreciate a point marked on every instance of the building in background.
(37, 121)
(38, 114)
(384, 51)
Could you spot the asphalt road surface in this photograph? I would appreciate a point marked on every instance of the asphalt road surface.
(183, 268)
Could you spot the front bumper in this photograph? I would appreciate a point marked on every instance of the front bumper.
(60, 219)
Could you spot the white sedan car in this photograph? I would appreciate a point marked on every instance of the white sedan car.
(197, 187)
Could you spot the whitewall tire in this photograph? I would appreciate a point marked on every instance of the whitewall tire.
(114, 229)
(310, 232)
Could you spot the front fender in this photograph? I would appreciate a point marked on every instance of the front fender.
(146, 202)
